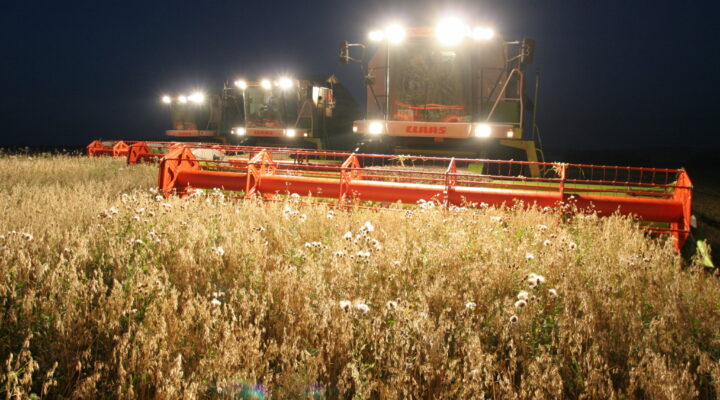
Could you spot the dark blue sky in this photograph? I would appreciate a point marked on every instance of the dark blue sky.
(614, 74)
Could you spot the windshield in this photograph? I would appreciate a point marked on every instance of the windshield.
(429, 84)
(270, 108)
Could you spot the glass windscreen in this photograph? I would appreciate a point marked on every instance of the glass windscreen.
(190, 116)
(429, 84)
(275, 108)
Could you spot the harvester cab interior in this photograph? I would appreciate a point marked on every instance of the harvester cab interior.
(284, 112)
(445, 90)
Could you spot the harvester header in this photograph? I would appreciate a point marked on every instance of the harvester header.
(661, 198)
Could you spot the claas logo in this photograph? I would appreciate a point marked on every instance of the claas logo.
(439, 130)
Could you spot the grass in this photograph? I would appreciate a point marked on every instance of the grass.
(109, 292)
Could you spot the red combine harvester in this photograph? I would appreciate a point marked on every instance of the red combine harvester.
(661, 198)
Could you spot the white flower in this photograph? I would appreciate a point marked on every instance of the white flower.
(496, 219)
(542, 227)
(140, 210)
(219, 251)
(470, 305)
(27, 236)
(330, 214)
(151, 213)
(136, 218)
(367, 227)
(166, 205)
(535, 279)
(529, 256)
(313, 245)
(547, 243)
(215, 302)
(391, 305)
(113, 210)
(520, 303)
(2, 237)
(260, 229)
(348, 236)
(302, 217)
(396, 263)
(138, 241)
(513, 319)
(345, 305)
(552, 293)
(339, 254)
(294, 196)
(572, 246)
(523, 295)
(363, 254)
(362, 307)
(159, 198)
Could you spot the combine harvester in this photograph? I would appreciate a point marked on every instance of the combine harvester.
(285, 112)
(661, 198)
(281, 112)
(447, 90)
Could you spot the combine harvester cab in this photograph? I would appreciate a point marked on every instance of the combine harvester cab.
(660, 198)
(194, 116)
(445, 90)
(286, 112)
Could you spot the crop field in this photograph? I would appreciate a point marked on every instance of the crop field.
(110, 291)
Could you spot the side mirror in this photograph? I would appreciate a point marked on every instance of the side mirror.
(527, 51)
(344, 52)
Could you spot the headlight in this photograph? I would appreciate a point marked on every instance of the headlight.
(375, 128)
(395, 33)
(166, 99)
(510, 133)
(285, 83)
(197, 97)
(266, 84)
(240, 131)
(483, 130)
(241, 84)
(182, 99)
(290, 132)
(450, 31)
(482, 33)
(355, 128)
(376, 36)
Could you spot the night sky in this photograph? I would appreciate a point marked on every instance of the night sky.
(614, 75)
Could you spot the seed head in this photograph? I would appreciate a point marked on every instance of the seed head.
(520, 304)
(523, 295)
(391, 305)
(513, 319)
(345, 305)
(362, 308)
(552, 293)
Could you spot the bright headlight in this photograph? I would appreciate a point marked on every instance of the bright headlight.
(166, 99)
(482, 33)
(355, 128)
(450, 31)
(395, 33)
(182, 99)
(375, 128)
(197, 97)
(483, 130)
(285, 83)
(266, 84)
(241, 84)
(239, 131)
(376, 36)
(290, 132)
